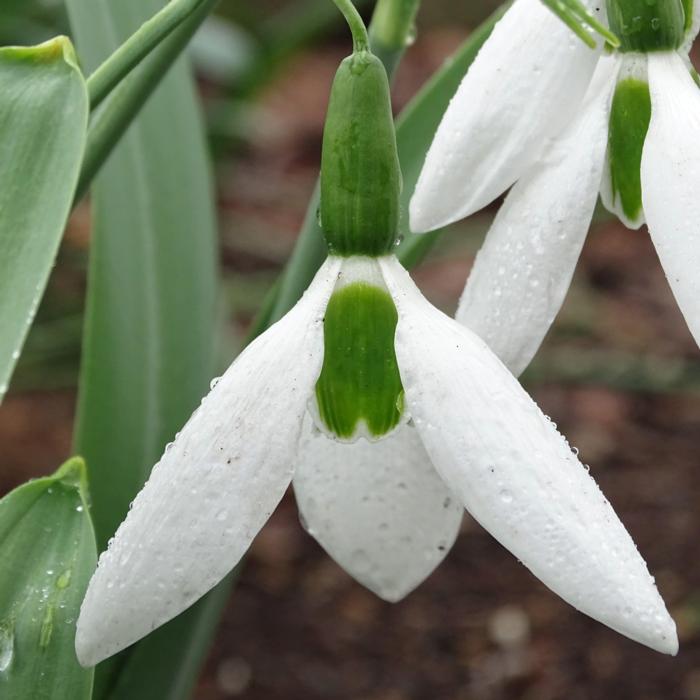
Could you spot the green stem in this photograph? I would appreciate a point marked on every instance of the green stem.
(126, 101)
(136, 48)
(360, 39)
(392, 29)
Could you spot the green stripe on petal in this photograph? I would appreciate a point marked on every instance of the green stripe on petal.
(629, 123)
(360, 382)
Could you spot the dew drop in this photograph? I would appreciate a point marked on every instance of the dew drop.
(63, 581)
(506, 496)
(411, 36)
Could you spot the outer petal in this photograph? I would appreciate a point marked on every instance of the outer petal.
(214, 487)
(516, 475)
(671, 179)
(523, 271)
(378, 508)
(524, 86)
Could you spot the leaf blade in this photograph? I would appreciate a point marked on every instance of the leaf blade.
(41, 594)
(147, 358)
(43, 129)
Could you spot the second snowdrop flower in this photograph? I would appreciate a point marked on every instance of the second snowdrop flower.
(635, 138)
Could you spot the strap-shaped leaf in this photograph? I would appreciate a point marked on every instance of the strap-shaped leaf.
(43, 123)
(48, 553)
(152, 280)
(147, 356)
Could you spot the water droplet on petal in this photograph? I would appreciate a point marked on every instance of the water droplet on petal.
(506, 496)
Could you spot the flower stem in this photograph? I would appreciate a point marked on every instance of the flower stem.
(360, 38)
(393, 26)
(107, 76)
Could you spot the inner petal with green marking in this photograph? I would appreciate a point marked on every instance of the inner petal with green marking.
(629, 123)
(359, 392)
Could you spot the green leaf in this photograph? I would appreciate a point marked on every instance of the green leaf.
(144, 40)
(43, 125)
(48, 553)
(152, 279)
(151, 311)
(415, 130)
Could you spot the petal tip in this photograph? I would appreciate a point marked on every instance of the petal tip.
(87, 651)
(654, 630)
(424, 216)
(420, 220)
(391, 595)
(666, 638)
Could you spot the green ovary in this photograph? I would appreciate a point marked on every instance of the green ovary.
(649, 25)
(629, 123)
(360, 381)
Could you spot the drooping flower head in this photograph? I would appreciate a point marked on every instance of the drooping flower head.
(539, 109)
(391, 418)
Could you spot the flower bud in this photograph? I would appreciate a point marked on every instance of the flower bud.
(360, 172)
(647, 25)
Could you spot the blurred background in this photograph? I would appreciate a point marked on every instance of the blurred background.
(619, 373)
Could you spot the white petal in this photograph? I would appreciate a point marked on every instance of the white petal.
(378, 508)
(523, 88)
(671, 180)
(523, 271)
(213, 489)
(516, 475)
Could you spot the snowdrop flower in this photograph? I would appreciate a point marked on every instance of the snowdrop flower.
(635, 137)
(390, 416)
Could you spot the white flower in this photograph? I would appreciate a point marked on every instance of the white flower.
(504, 126)
(474, 437)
